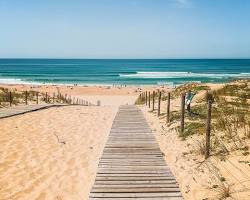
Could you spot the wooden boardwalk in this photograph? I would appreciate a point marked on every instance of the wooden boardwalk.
(132, 165)
(18, 110)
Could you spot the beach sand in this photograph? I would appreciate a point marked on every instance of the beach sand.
(199, 179)
(52, 154)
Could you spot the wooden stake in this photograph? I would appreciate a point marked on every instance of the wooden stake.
(208, 128)
(182, 112)
(26, 97)
(159, 104)
(146, 97)
(37, 94)
(46, 97)
(149, 99)
(153, 106)
(168, 108)
(66, 98)
(10, 98)
(54, 97)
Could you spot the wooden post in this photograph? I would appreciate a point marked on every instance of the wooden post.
(37, 94)
(159, 104)
(53, 97)
(208, 128)
(182, 112)
(46, 97)
(26, 97)
(10, 98)
(146, 97)
(153, 106)
(168, 108)
(149, 99)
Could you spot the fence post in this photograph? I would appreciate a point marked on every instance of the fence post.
(146, 97)
(153, 106)
(10, 98)
(37, 93)
(26, 97)
(149, 99)
(182, 112)
(208, 127)
(53, 97)
(168, 108)
(159, 104)
(46, 97)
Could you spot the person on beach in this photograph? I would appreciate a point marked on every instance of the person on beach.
(189, 97)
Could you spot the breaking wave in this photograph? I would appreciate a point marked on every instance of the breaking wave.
(148, 75)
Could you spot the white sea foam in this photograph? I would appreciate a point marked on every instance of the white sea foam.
(12, 81)
(148, 75)
(20, 81)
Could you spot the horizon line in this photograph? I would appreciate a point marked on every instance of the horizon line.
(78, 58)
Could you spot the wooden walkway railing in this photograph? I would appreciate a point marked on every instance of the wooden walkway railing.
(132, 165)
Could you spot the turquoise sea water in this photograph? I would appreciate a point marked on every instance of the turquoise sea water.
(122, 71)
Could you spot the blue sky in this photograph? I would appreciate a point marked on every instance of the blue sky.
(125, 28)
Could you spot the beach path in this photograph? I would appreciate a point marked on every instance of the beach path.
(132, 165)
(18, 110)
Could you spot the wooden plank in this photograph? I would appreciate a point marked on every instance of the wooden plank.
(136, 182)
(135, 189)
(137, 198)
(135, 195)
(132, 165)
(19, 110)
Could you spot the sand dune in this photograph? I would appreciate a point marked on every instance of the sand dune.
(52, 154)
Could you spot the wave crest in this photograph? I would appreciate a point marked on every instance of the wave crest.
(148, 75)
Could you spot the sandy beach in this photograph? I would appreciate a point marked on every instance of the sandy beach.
(211, 179)
(124, 100)
(54, 153)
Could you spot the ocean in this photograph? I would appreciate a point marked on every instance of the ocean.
(122, 71)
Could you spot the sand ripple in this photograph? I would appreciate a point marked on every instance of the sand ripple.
(52, 154)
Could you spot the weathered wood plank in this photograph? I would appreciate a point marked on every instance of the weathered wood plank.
(19, 110)
(132, 165)
(135, 195)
